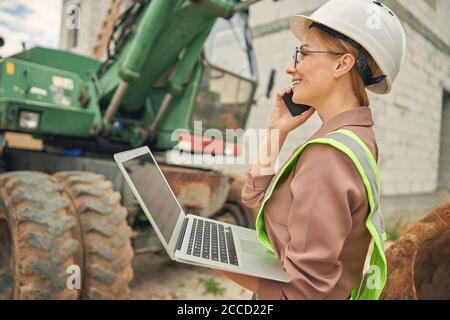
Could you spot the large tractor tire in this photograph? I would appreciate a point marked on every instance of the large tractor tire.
(105, 233)
(419, 261)
(37, 242)
(50, 223)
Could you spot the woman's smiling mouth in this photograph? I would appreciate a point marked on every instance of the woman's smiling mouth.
(296, 82)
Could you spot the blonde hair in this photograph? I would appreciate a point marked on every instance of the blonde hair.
(338, 45)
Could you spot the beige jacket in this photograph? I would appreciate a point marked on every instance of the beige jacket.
(315, 219)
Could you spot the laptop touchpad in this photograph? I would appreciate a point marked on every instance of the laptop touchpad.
(249, 247)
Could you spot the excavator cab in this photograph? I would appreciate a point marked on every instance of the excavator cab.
(229, 77)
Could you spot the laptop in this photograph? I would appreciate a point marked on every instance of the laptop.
(192, 239)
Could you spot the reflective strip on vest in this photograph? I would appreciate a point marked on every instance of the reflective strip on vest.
(349, 143)
(370, 172)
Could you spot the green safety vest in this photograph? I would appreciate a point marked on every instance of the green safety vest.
(350, 144)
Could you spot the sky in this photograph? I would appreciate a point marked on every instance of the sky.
(35, 22)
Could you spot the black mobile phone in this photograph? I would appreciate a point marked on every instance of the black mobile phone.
(294, 109)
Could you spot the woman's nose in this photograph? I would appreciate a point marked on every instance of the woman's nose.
(290, 69)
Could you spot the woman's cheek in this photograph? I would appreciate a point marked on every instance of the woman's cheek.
(300, 94)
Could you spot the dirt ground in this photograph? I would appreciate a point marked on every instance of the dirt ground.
(157, 277)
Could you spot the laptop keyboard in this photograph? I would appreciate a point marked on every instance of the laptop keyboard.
(212, 241)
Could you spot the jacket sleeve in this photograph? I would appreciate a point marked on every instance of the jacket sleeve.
(326, 189)
(254, 189)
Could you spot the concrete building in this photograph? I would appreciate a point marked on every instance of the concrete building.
(412, 123)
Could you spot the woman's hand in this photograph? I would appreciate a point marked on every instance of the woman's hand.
(248, 282)
(282, 119)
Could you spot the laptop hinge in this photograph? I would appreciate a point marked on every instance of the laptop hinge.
(181, 234)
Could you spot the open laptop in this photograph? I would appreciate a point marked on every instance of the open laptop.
(192, 239)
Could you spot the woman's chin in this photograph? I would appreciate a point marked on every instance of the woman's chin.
(298, 98)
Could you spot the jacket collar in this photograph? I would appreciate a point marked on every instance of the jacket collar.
(361, 116)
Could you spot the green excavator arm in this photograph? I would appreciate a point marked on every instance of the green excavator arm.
(157, 78)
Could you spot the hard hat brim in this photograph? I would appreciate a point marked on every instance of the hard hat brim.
(299, 25)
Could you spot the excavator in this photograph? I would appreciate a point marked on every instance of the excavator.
(65, 208)
(167, 64)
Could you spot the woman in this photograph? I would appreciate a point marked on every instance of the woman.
(317, 214)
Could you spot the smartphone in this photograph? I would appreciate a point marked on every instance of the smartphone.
(295, 109)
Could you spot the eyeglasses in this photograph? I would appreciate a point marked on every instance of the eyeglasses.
(304, 53)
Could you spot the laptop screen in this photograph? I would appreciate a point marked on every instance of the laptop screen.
(154, 192)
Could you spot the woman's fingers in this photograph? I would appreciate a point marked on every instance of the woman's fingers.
(281, 93)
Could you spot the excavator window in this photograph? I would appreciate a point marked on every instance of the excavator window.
(229, 76)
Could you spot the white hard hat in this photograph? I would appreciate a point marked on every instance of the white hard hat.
(370, 24)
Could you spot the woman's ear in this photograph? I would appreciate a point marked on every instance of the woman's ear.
(344, 64)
